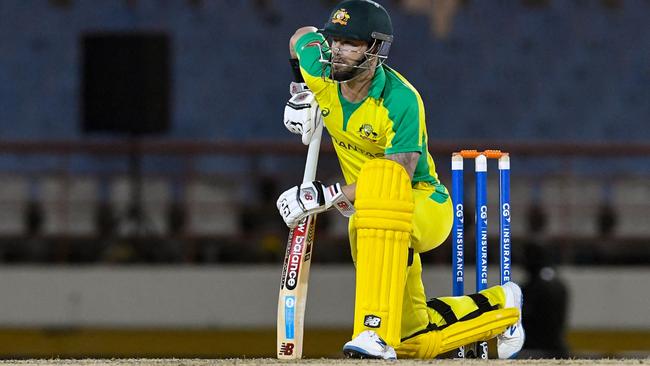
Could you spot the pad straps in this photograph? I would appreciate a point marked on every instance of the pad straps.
(483, 305)
(447, 312)
(443, 309)
(450, 317)
(482, 302)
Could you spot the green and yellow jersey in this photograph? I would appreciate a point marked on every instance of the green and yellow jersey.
(390, 120)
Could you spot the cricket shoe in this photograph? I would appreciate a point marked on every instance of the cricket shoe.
(369, 345)
(510, 342)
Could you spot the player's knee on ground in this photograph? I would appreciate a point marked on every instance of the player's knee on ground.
(383, 221)
(431, 343)
(462, 306)
(457, 321)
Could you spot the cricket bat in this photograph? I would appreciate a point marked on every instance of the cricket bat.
(295, 271)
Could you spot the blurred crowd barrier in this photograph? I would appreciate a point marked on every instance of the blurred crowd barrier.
(230, 311)
(162, 201)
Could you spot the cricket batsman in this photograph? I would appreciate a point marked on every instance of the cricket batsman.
(396, 205)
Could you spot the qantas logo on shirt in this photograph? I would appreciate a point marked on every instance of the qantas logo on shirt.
(349, 146)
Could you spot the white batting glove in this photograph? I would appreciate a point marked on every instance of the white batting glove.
(302, 115)
(311, 198)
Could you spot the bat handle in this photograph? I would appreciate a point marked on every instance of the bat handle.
(312, 154)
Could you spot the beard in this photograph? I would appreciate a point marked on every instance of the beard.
(343, 72)
(344, 75)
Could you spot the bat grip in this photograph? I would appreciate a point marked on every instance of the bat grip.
(312, 155)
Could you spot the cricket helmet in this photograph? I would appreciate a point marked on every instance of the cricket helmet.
(361, 20)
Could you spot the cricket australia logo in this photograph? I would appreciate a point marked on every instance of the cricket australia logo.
(366, 132)
(341, 17)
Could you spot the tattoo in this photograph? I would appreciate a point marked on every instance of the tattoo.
(408, 160)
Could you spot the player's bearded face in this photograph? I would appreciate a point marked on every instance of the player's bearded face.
(347, 55)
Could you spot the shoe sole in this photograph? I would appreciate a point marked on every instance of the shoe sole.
(358, 353)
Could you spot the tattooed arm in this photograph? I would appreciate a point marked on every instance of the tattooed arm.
(408, 160)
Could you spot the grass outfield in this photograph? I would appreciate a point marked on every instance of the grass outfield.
(316, 362)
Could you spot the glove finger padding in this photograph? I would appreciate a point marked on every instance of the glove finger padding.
(288, 206)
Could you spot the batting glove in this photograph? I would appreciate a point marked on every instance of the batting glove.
(302, 115)
(311, 198)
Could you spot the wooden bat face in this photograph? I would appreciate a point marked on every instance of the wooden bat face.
(293, 290)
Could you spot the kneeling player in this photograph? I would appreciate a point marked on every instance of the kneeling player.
(376, 120)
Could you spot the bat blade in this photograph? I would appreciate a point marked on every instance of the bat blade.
(293, 290)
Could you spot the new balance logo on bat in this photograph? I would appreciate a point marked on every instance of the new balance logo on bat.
(286, 349)
(297, 239)
(372, 321)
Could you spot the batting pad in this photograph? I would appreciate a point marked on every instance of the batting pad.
(484, 327)
(384, 204)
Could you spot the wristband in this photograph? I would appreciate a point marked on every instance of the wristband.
(340, 201)
(295, 68)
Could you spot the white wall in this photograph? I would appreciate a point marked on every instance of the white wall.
(246, 296)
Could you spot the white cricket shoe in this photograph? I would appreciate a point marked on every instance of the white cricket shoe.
(510, 342)
(369, 345)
